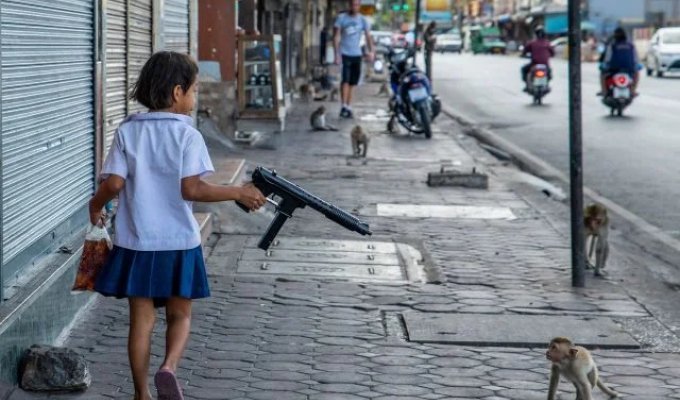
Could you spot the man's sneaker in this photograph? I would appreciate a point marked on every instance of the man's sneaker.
(344, 113)
(349, 113)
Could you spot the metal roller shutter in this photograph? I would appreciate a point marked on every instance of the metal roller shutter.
(47, 116)
(140, 42)
(177, 25)
(116, 67)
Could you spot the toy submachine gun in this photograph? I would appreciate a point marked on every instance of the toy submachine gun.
(292, 197)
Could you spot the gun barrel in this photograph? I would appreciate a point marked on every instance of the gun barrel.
(330, 211)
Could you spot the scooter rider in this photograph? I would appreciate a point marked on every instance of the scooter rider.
(619, 56)
(540, 50)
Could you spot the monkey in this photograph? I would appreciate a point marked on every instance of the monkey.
(577, 365)
(335, 92)
(290, 84)
(318, 120)
(384, 90)
(359, 141)
(307, 92)
(596, 223)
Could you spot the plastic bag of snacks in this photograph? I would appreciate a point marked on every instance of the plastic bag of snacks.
(95, 252)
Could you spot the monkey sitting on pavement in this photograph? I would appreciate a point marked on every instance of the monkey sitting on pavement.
(359, 141)
(318, 120)
(576, 364)
(596, 223)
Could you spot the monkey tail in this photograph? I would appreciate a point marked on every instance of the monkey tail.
(612, 394)
(331, 127)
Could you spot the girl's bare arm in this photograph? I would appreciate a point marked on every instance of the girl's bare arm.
(195, 189)
(107, 190)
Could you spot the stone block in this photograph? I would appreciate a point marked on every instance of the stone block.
(48, 368)
(474, 179)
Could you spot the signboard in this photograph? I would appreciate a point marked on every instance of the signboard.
(436, 10)
(367, 7)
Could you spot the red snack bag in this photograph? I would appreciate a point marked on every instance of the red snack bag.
(95, 252)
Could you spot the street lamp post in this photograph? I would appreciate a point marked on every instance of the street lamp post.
(576, 146)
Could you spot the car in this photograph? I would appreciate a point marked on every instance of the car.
(486, 40)
(449, 41)
(560, 46)
(663, 55)
(382, 40)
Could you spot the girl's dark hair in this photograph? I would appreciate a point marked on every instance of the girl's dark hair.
(159, 76)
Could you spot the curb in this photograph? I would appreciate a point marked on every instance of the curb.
(535, 165)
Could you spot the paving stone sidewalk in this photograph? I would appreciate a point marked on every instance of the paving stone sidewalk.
(308, 337)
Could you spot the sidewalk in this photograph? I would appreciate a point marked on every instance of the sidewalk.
(297, 326)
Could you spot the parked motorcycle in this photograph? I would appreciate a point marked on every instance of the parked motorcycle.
(538, 84)
(619, 93)
(412, 104)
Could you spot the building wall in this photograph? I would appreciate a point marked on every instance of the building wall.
(217, 35)
(504, 6)
(670, 9)
(606, 14)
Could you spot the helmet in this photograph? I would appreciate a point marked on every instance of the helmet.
(539, 30)
(620, 34)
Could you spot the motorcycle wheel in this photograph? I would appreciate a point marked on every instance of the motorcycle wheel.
(425, 120)
(619, 112)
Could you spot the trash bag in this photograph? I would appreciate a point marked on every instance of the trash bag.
(95, 253)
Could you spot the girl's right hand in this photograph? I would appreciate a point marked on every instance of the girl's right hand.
(251, 197)
(96, 216)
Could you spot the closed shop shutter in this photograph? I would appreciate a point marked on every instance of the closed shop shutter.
(128, 46)
(116, 67)
(47, 116)
(140, 41)
(177, 25)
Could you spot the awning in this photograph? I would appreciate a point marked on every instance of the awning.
(503, 18)
(556, 24)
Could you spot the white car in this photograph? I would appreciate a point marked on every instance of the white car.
(449, 41)
(664, 52)
(560, 46)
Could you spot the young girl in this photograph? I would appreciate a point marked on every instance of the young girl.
(155, 165)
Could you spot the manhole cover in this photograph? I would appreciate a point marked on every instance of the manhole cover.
(515, 330)
(348, 259)
(444, 211)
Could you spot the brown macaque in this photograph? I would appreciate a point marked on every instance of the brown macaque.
(318, 120)
(596, 222)
(576, 364)
(307, 92)
(335, 92)
(384, 90)
(359, 141)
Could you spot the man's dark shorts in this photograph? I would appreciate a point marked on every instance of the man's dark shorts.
(351, 69)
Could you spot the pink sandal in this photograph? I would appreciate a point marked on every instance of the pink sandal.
(167, 385)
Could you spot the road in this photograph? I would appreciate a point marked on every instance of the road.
(630, 160)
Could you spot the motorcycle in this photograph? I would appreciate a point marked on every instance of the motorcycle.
(538, 83)
(619, 93)
(412, 103)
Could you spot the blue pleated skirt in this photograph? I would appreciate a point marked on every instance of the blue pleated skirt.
(154, 274)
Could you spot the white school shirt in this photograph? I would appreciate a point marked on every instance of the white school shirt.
(153, 152)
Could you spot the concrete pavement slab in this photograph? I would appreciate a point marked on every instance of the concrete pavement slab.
(515, 330)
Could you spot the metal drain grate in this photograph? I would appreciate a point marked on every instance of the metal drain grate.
(342, 259)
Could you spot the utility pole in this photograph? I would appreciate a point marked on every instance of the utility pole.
(417, 27)
(578, 259)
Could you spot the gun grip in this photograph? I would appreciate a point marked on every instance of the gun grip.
(242, 207)
(273, 229)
